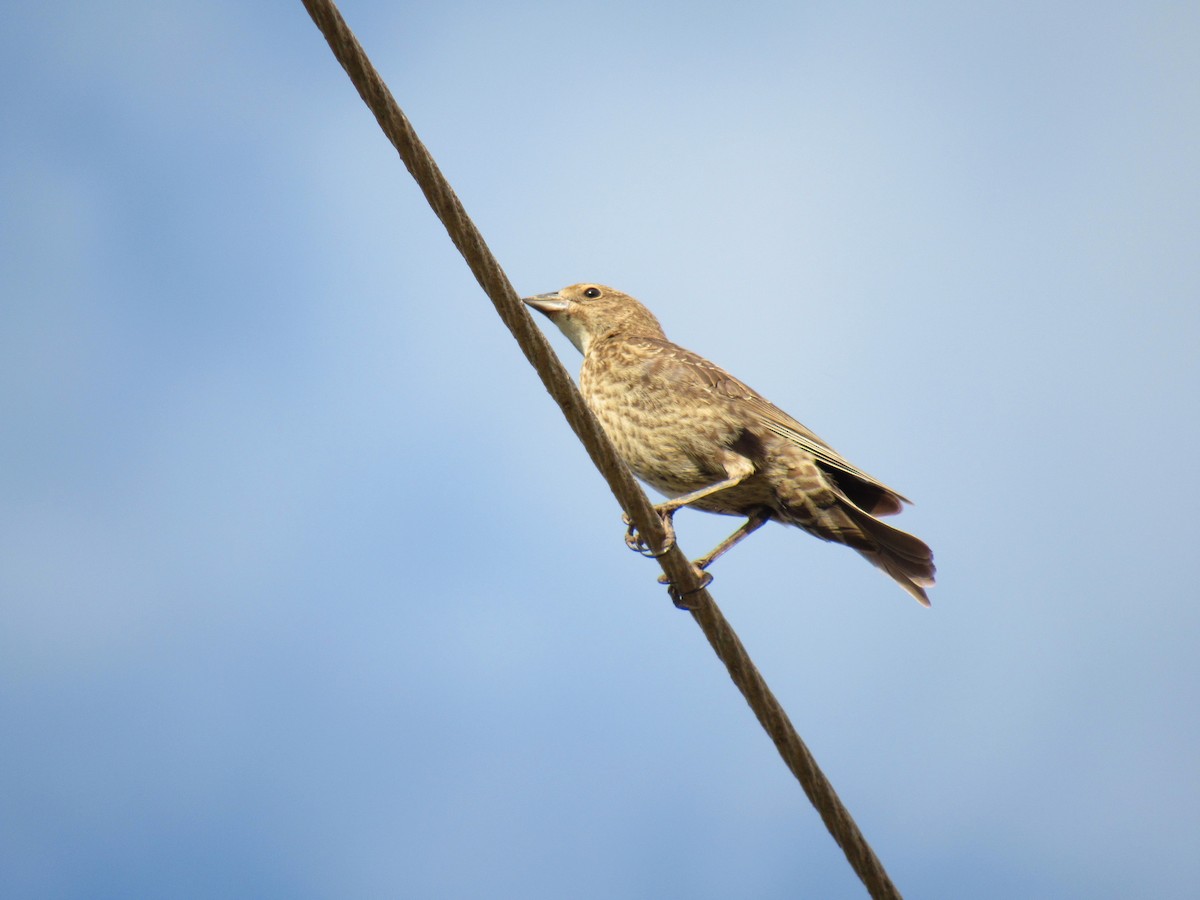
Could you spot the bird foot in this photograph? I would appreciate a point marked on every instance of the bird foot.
(683, 599)
(705, 577)
(635, 542)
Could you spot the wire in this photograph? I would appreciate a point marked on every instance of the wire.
(633, 499)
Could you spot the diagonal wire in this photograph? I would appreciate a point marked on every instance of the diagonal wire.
(633, 500)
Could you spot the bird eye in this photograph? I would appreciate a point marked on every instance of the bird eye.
(591, 293)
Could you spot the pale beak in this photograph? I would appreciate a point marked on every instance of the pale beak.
(547, 303)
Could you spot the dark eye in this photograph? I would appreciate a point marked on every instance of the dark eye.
(591, 293)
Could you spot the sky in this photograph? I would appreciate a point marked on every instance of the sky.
(308, 591)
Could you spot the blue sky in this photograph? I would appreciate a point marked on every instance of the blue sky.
(306, 590)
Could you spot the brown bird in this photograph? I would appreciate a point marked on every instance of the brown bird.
(706, 440)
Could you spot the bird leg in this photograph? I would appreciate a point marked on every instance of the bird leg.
(757, 520)
(737, 467)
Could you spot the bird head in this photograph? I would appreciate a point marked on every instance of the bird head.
(587, 313)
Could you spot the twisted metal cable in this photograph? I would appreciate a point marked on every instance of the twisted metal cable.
(633, 500)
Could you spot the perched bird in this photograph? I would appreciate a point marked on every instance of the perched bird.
(704, 439)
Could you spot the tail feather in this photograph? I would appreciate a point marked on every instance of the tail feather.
(907, 559)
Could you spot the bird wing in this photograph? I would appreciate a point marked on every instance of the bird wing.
(698, 371)
(779, 422)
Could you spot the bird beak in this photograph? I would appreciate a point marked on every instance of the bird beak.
(547, 303)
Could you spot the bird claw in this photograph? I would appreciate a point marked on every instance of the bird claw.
(705, 577)
(680, 598)
(635, 542)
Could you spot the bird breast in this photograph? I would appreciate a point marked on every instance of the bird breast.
(669, 430)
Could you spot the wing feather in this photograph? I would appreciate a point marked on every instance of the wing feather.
(699, 372)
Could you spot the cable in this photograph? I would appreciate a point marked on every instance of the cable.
(633, 500)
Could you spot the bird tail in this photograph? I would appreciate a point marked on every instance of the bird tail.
(907, 559)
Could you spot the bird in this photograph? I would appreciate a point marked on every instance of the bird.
(707, 441)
